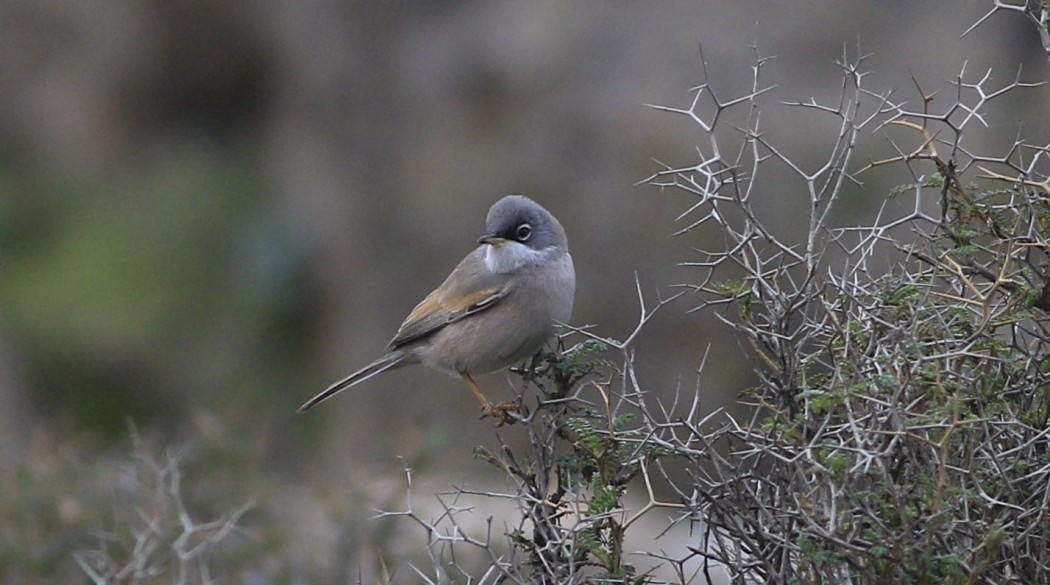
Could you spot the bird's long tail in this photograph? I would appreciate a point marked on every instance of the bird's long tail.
(389, 361)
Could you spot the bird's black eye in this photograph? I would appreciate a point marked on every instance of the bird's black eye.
(523, 233)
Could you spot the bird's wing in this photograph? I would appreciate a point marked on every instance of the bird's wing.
(470, 289)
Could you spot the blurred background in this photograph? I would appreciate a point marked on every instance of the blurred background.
(209, 210)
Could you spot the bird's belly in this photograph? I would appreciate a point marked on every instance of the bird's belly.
(476, 346)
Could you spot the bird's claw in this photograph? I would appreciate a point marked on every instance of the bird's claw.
(502, 412)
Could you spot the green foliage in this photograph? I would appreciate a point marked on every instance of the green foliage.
(951, 375)
(558, 372)
(578, 536)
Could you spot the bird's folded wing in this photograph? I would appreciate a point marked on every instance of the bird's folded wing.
(470, 289)
(432, 314)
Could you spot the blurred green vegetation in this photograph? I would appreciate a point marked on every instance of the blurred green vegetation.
(149, 294)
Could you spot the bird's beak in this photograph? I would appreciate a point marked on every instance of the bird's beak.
(491, 239)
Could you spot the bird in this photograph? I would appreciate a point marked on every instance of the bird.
(498, 307)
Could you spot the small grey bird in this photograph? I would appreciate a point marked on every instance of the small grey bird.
(497, 308)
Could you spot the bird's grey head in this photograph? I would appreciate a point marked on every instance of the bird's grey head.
(518, 219)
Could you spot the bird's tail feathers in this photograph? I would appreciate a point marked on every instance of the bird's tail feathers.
(389, 361)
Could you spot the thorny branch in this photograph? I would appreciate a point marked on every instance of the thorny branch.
(1037, 12)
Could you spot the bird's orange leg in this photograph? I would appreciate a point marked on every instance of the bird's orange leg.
(494, 410)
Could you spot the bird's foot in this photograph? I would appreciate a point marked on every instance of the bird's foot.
(502, 412)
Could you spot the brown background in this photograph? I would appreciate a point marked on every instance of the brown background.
(211, 210)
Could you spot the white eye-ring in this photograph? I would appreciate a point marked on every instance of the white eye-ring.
(524, 232)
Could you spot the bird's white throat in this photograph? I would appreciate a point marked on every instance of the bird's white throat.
(511, 255)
